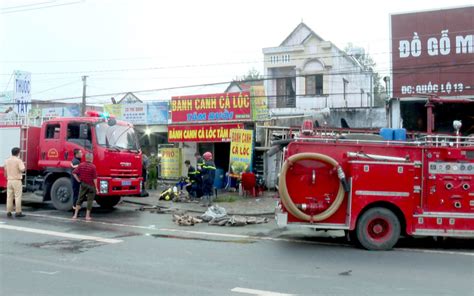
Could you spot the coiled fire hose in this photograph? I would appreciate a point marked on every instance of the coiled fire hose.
(288, 202)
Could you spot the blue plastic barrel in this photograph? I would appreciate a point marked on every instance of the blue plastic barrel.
(400, 134)
(386, 133)
(219, 179)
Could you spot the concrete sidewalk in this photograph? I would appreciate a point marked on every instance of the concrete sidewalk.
(240, 205)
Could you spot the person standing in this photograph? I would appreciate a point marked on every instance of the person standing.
(75, 185)
(195, 179)
(199, 161)
(86, 174)
(208, 173)
(14, 167)
(153, 172)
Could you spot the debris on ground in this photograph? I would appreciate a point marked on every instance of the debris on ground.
(237, 221)
(155, 209)
(185, 220)
(216, 215)
(214, 212)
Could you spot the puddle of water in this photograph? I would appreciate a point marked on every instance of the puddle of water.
(238, 241)
(69, 246)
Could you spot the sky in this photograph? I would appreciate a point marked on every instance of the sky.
(135, 45)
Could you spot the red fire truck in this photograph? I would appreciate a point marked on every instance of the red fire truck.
(47, 151)
(376, 190)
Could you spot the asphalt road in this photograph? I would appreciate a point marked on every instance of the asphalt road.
(128, 252)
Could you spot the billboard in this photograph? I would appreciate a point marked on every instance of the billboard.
(170, 163)
(241, 150)
(201, 132)
(259, 103)
(22, 91)
(213, 107)
(433, 53)
(140, 113)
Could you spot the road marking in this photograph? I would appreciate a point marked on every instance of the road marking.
(258, 292)
(262, 238)
(435, 251)
(46, 272)
(62, 234)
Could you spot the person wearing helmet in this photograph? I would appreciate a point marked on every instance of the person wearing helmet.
(208, 173)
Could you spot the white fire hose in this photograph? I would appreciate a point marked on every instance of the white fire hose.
(288, 202)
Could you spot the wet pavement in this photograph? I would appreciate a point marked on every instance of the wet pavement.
(125, 251)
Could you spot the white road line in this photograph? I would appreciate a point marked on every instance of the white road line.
(258, 292)
(62, 234)
(263, 238)
(435, 251)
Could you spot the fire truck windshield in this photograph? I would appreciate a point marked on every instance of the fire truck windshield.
(116, 136)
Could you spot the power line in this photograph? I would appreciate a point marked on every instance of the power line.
(26, 5)
(41, 7)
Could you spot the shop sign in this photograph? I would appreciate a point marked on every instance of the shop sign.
(201, 132)
(213, 107)
(432, 53)
(259, 103)
(170, 163)
(134, 113)
(157, 113)
(140, 113)
(241, 150)
(52, 112)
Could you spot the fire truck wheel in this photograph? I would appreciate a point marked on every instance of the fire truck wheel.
(108, 202)
(378, 229)
(61, 194)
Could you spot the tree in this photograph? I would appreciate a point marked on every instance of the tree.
(251, 75)
(369, 65)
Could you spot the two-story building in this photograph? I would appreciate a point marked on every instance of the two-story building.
(306, 73)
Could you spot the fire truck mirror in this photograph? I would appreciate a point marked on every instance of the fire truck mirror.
(112, 121)
(83, 131)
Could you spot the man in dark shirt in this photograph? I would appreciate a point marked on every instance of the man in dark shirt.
(194, 177)
(208, 173)
(86, 174)
(75, 185)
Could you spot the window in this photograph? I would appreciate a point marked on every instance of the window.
(286, 96)
(74, 134)
(314, 85)
(52, 131)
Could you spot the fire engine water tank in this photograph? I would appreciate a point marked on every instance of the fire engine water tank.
(400, 134)
(387, 133)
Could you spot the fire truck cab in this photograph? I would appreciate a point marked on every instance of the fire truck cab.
(379, 190)
(48, 150)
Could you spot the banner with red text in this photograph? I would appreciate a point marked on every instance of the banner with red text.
(201, 132)
(213, 107)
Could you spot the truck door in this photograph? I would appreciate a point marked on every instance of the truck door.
(78, 136)
(51, 147)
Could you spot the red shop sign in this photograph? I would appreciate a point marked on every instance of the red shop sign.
(213, 107)
(201, 133)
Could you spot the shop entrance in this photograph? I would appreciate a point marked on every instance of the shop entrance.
(220, 151)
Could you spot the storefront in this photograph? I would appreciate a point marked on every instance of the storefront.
(202, 123)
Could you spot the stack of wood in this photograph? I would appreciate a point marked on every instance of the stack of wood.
(185, 220)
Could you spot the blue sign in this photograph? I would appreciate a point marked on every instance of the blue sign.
(157, 113)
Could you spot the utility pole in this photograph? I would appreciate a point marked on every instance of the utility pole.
(83, 109)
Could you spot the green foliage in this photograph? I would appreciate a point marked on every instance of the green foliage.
(369, 65)
(251, 75)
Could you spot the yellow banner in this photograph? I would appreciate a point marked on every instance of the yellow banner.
(114, 109)
(241, 150)
(170, 163)
(259, 103)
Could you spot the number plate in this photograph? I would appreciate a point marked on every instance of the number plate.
(126, 183)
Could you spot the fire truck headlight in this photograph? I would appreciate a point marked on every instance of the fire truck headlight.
(104, 186)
